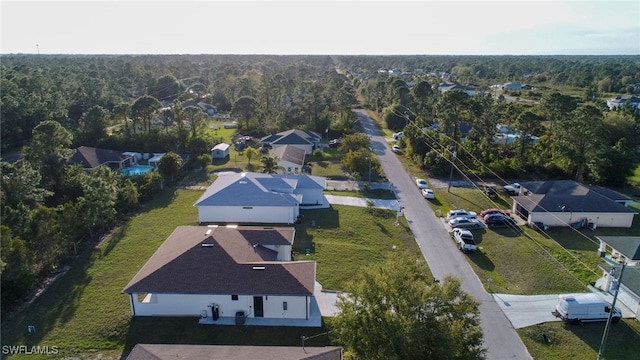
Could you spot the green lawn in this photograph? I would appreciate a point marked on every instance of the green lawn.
(85, 314)
(635, 178)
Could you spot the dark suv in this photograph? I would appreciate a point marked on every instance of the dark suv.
(499, 220)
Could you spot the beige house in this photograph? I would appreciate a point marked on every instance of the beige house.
(290, 158)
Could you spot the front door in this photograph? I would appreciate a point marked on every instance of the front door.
(258, 308)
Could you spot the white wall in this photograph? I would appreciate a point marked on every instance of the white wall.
(601, 220)
(195, 304)
(289, 167)
(284, 251)
(257, 214)
(311, 196)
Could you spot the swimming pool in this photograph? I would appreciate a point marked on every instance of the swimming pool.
(136, 170)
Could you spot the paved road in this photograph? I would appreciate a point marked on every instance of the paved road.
(500, 337)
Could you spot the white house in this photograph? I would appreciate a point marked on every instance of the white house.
(624, 249)
(290, 158)
(618, 101)
(220, 273)
(220, 151)
(233, 352)
(511, 86)
(260, 198)
(560, 203)
(304, 139)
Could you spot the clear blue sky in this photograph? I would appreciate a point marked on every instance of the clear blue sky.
(518, 27)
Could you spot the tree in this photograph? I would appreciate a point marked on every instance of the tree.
(245, 107)
(93, 126)
(143, 109)
(580, 137)
(392, 311)
(270, 164)
(17, 275)
(354, 142)
(169, 165)
(250, 153)
(557, 107)
(49, 151)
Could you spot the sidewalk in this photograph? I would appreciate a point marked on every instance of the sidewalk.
(362, 202)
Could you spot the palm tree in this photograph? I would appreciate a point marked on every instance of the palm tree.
(270, 164)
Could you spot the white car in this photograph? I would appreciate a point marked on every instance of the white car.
(512, 188)
(422, 183)
(396, 149)
(398, 135)
(428, 194)
(466, 223)
(461, 213)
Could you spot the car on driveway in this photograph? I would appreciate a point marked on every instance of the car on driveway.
(396, 149)
(491, 211)
(461, 213)
(499, 220)
(398, 135)
(422, 183)
(428, 194)
(465, 223)
(464, 239)
(513, 189)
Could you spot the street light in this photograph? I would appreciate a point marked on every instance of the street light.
(455, 154)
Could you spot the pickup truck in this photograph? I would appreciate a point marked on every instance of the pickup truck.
(464, 239)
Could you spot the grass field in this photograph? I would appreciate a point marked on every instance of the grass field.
(635, 178)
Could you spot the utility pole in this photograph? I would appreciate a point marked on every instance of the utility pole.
(38, 48)
(613, 306)
(455, 154)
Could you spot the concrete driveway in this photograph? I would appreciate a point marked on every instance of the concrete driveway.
(362, 202)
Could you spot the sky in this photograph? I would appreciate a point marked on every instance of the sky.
(514, 27)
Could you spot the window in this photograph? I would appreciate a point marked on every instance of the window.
(296, 170)
(284, 305)
(289, 170)
(234, 297)
(247, 207)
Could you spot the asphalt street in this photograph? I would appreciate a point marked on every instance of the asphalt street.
(500, 337)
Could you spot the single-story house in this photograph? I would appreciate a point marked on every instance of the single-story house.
(206, 108)
(91, 158)
(563, 202)
(445, 86)
(226, 273)
(618, 101)
(304, 139)
(624, 250)
(220, 151)
(511, 86)
(232, 352)
(290, 158)
(259, 198)
(613, 195)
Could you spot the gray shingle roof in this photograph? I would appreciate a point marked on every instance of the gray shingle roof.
(257, 189)
(292, 137)
(232, 352)
(551, 196)
(629, 246)
(181, 265)
(90, 157)
(288, 153)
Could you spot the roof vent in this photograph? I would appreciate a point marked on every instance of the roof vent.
(208, 232)
(259, 268)
(207, 245)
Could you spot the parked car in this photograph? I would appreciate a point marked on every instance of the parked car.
(335, 142)
(513, 189)
(422, 183)
(428, 194)
(396, 149)
(499, 220)
(398, 135)
(464, 239)
(486, 212)
(455, 213)
(461, 222)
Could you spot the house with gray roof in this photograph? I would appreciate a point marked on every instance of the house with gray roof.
(233, 352)
(563, 202)
(304, 139)
(91, 158)
(219, 273)
(290, 158)
(260, 198)
(622, 250)
(445, 86)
